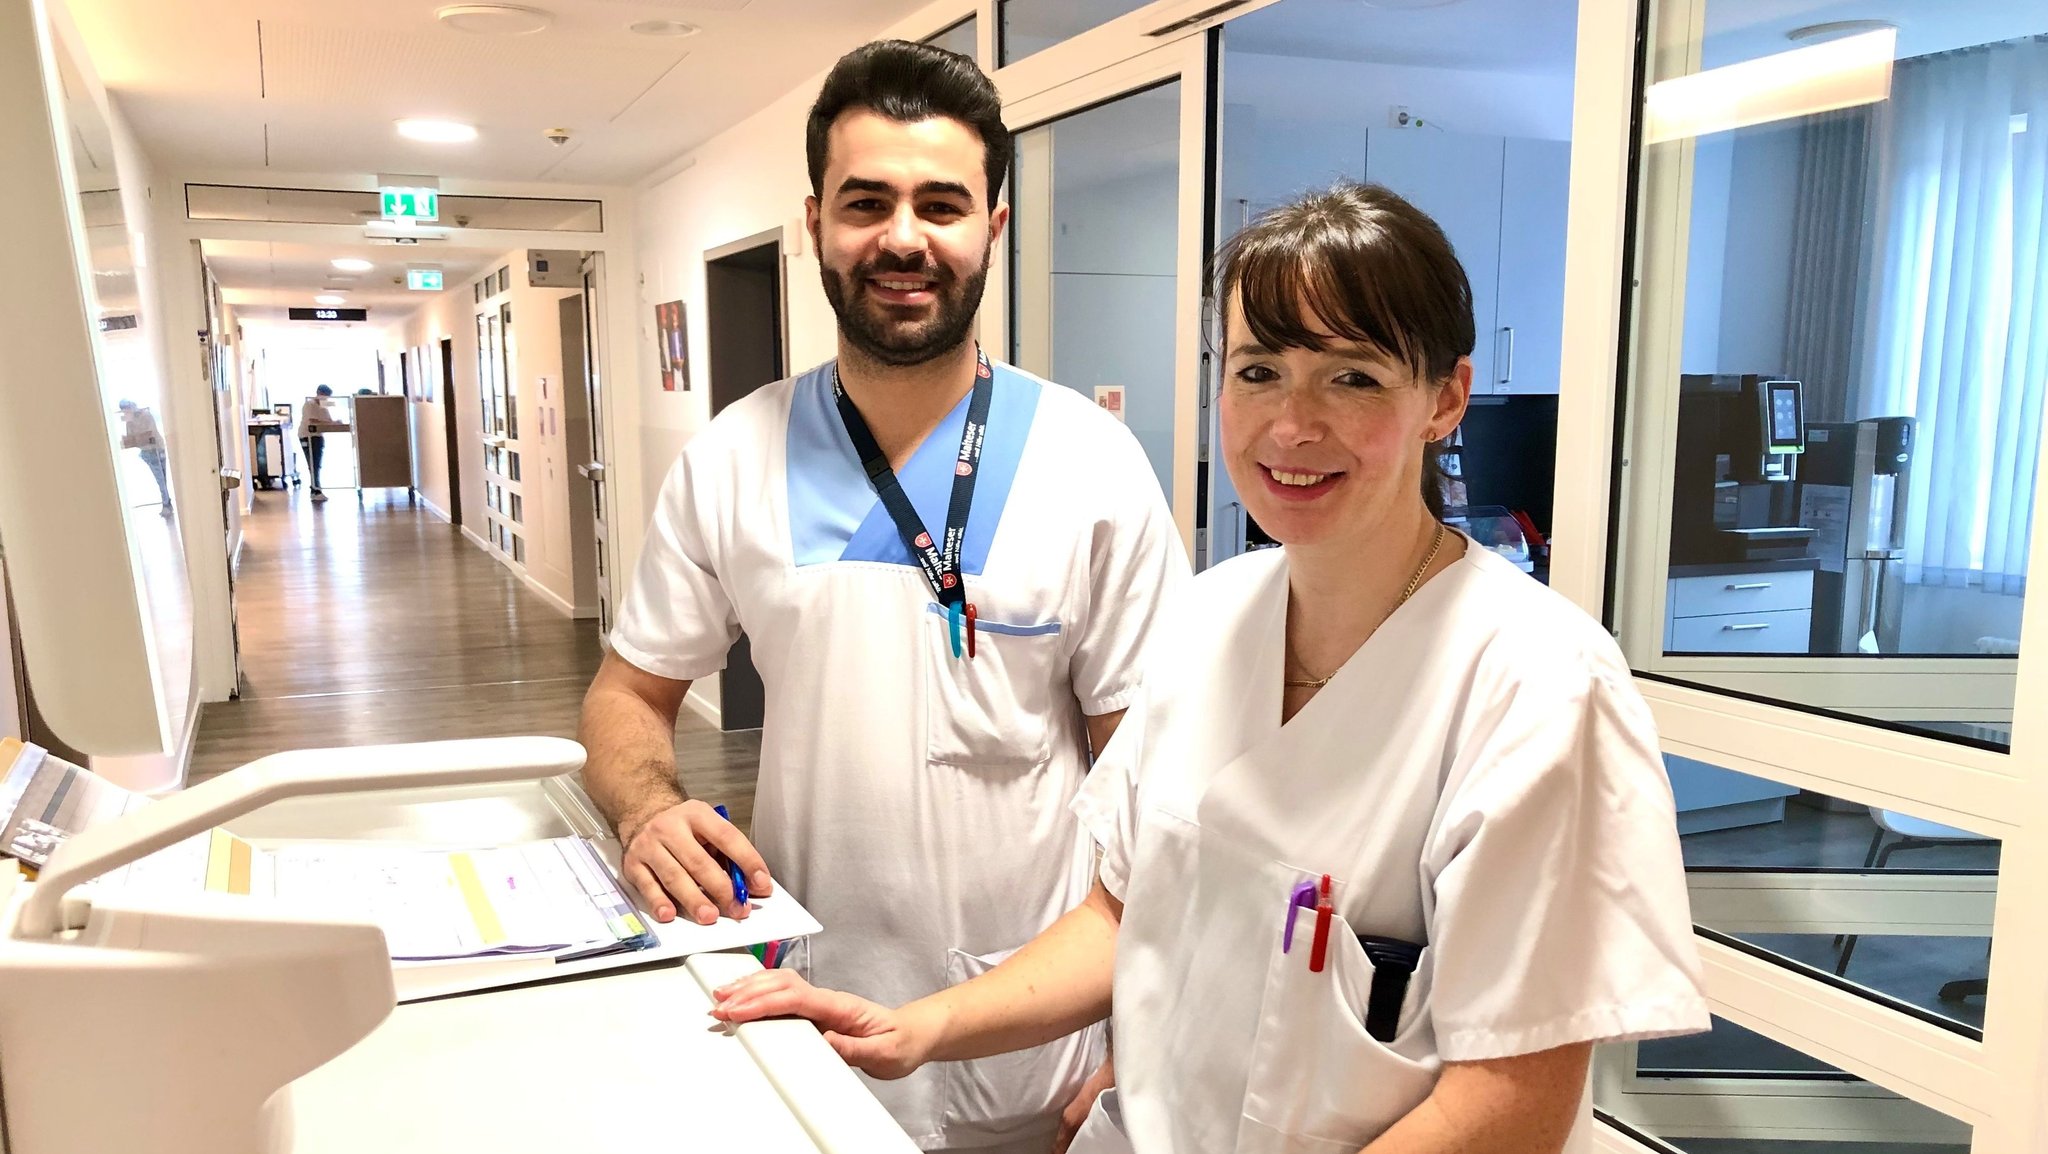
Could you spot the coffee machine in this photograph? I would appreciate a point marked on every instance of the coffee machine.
(1740, 438)
(1853, 490)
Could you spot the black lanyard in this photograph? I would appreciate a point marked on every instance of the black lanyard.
(941, 564)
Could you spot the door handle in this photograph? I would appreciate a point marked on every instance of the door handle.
(1746, 628)
(230, 479)
(1507, 359)
(1746, 585)
(594, 470)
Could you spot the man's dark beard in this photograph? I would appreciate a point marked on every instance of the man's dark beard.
(889, 344)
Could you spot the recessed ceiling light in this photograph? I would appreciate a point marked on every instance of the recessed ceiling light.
(663, 28)
(1836, 29)
(351, 264)
(495, 19)
(329, 299)
(437, 131)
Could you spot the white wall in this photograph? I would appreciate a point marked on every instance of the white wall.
(1738, 294)
(1113, 252)
(744, 181)
(543, 445)
(1756, 275)
(1713, 165)
(449, 314)
(1292, 91)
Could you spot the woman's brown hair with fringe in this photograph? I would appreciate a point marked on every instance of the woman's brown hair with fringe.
(1359, 263)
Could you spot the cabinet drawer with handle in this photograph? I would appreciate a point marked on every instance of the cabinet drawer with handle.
(1741, 593)
(1784, 632)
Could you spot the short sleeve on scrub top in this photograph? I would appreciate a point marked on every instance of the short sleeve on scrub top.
(1560, 905)
(1108, 802)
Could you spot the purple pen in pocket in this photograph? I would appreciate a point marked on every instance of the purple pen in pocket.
(1303, 897)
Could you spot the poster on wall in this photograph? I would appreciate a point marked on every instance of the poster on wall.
(673, 337)
(1111, 398)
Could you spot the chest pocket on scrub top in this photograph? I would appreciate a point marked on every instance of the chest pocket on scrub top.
(990, 711)
(1319, 1082)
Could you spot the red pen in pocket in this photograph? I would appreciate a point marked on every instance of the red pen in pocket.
(1322, 942)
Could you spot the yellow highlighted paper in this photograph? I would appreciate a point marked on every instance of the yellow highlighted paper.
(218, 852)
(228, 860)
(238, 863)
(473, 896)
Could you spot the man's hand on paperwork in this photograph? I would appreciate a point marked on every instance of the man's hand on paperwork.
(883, 1042)
(669, 861)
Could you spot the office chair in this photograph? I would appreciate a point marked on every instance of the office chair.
(1913, 833)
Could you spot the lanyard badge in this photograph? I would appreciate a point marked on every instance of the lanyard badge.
(939, 560)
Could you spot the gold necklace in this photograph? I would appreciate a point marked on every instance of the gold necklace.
(1436, 542)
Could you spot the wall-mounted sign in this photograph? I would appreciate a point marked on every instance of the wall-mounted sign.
(409, 203)
(1111, 398)
(299, 314)
(426, 280)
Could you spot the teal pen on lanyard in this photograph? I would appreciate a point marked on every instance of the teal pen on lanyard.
(732, 871)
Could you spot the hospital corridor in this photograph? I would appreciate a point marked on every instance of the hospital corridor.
(1023, 576)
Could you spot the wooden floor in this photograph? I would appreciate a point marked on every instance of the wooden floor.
(363, 625)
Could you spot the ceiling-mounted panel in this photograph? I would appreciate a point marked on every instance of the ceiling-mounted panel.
(361, 206)
(675, 5)
(333, 78)
(440, 72)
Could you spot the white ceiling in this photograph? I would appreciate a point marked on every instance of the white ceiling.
(300, 86)
(1539, 36)
(1530, 36)
(1746, 29)
(263, 278)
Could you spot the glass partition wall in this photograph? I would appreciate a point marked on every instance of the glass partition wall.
(1826, 417)
(1784, 436)
(1843, 347)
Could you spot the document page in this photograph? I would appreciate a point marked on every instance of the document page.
(434, 904)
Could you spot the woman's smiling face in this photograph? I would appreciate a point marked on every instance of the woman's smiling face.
(1326, 442)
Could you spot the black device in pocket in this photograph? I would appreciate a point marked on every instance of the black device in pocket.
(1393, 964)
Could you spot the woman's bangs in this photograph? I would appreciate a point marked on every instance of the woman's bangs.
(1302, 297)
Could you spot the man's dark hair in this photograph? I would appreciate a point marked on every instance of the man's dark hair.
(907, 83)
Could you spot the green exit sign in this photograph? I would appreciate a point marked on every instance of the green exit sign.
(423, 279)
(410, 203)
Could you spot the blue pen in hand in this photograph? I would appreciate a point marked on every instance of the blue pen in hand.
(738, 876)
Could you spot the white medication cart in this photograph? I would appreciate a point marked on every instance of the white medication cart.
(231, 1024)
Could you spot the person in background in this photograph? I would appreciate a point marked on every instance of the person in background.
(946, 568)
(1387, 844)
(139, 432)
(315, 416)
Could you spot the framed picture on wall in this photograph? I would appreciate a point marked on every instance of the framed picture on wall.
(672, 334)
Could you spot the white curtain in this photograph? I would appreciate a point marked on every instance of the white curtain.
(1829, 235)
(1958, 332)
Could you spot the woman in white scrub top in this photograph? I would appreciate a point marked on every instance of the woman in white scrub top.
(1383, 702)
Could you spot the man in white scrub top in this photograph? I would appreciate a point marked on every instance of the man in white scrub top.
(946, 568)
(1386, 842)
